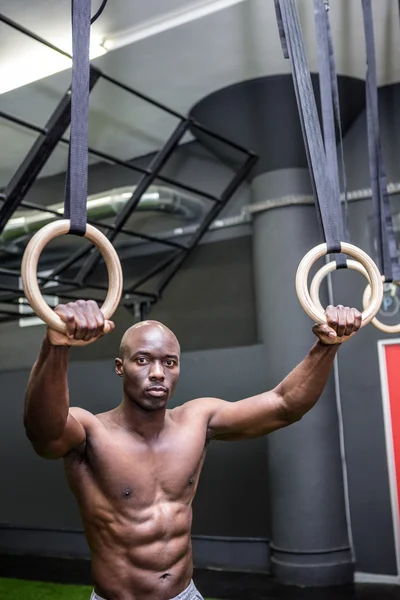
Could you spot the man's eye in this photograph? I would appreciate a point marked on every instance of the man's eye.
(170, 363)
(141, 360)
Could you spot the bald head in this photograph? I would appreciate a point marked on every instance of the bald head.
(149, 363)
(146, 331)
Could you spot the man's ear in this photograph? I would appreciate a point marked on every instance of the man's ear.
(119, 369)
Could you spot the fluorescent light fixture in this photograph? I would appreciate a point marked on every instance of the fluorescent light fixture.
(192, 12)
(38, 64)
(42, 62)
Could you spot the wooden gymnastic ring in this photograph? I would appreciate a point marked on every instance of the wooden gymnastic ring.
(356, 266)
(315, 312)
(378, 324)
(30, 264)
(324, 271)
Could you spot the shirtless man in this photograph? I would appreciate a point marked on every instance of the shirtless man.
(134, 470)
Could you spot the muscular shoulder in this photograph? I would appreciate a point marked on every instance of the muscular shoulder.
(87, 419)
(200, 409)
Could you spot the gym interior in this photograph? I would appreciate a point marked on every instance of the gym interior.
(199, 175)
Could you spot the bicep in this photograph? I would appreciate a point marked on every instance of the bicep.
(73, 437)
(246, 419)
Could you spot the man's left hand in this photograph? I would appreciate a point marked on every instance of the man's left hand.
(342, 323)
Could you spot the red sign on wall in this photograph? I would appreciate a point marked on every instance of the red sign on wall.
(389, 359)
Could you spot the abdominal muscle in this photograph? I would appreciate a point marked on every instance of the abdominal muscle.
(140, 554)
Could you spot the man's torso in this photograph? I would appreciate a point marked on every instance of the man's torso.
(135, 498)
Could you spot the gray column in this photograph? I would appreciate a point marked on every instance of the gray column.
(310, 542)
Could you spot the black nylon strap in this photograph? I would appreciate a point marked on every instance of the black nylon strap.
(327, 78)
(75, 204)
(326, 92)
(282, 36)
(383, 224)
(326, 203)
(336, 104)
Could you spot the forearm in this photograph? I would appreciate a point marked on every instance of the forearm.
(47, 396)
(302, 388)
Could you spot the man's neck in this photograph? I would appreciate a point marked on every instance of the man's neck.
(147, 424)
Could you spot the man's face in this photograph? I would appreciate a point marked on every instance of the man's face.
(149, 365)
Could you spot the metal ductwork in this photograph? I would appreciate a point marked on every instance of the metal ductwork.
(106, 205)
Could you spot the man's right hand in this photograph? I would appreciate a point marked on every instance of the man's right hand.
(85, 324)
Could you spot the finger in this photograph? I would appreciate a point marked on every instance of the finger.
(357, 319)
(88, 323)
(324, 330)
(91, 328)
(349, 316)
(109, 326)
(82, 324)
(341, 320)
(332, 317)
(67, 315)
(63, 311)
(97, 316)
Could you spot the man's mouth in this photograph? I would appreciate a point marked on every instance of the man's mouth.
(157, 390)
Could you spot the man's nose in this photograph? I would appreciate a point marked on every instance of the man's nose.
(157, 371)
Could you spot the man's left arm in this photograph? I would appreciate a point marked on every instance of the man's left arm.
(295, 395)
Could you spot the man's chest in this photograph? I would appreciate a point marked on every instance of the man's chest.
(127, 469)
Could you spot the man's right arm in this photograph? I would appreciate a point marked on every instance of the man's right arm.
(49, 423)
